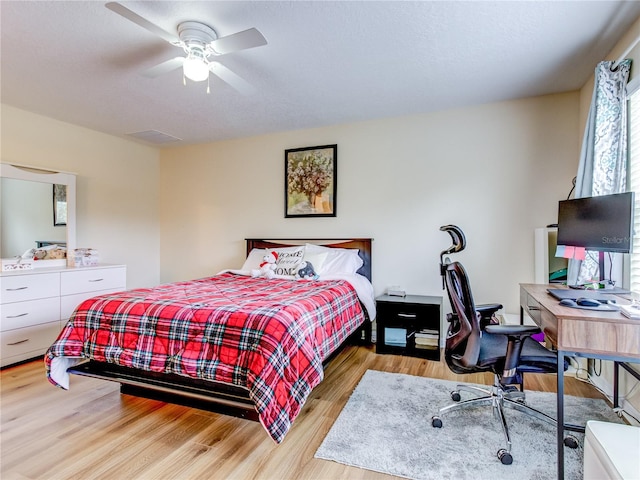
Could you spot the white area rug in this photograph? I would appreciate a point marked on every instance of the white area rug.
(386, 427)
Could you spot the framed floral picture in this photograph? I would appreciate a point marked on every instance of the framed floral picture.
(310, 178)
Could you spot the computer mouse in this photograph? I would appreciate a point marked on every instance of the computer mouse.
(587, 302)
(568, 302)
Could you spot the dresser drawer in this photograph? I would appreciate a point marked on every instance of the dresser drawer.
(32, 312)
(24, 343)
(93, 280)
(19, 288)
(68, 303)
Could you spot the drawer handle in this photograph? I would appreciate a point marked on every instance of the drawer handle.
(408, 315)
(18, 316)
(532, 307)
(97, 280)
(18, 342)
(16, 289)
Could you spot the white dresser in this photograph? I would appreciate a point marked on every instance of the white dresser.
(35, 304)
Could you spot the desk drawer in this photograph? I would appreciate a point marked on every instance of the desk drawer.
(600, 337)
(531, 307)
(540, 315)
(549, 325)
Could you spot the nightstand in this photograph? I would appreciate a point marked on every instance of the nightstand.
(409, 326)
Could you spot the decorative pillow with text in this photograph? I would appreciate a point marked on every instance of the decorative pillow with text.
(288, 261)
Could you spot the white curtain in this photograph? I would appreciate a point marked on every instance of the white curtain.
(603, 161)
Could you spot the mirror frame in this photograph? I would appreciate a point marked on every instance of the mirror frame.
(36, 174)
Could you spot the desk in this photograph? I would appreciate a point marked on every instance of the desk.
(584, 333)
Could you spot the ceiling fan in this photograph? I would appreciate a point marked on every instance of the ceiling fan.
(199, 42)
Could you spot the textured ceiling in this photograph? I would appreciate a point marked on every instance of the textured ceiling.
(326, 63)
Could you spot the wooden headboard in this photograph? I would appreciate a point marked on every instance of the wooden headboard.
(362, 244)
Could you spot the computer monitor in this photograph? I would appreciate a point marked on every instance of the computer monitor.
(603, 223)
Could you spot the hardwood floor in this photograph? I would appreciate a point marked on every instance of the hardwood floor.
(91, 431)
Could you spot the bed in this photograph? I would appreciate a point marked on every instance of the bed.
(246, 342)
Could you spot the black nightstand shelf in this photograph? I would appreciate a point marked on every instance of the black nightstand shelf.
(409, 326)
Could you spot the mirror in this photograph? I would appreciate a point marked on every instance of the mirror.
(37, 208)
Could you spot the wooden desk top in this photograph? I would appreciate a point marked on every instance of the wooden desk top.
(583, 331)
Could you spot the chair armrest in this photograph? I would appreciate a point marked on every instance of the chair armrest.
(514, 330)
(487, 314)
(488, 309)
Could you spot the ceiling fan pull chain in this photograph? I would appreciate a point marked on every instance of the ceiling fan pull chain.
(208, 90)
(184, 80)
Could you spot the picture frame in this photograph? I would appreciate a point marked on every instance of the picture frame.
(59, 205)
(310, 181)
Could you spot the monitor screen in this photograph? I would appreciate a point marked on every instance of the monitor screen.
(602, 223)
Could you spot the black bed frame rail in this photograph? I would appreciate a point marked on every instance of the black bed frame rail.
(222, 398)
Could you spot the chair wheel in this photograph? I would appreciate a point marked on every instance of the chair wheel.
(455, 396)
(571, 441)
(436, 422)
(505, 457)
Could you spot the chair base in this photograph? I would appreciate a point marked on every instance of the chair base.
(498, 397)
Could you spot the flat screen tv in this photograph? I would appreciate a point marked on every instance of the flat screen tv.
(603, 223)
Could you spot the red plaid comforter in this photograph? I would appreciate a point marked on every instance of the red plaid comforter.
(269, 336)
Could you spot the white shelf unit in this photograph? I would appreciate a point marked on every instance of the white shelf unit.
(546, 263)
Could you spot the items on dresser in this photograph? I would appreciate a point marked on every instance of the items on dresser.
(16, 263)
(35, 304)
(409, 325)
(82, 257)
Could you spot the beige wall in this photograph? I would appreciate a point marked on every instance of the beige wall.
(495, 170)
(117, 186)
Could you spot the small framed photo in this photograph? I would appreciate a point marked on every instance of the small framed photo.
(310, 179)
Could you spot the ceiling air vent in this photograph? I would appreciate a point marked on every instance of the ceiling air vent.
(154, 136)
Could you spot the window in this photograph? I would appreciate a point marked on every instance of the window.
(634, 179)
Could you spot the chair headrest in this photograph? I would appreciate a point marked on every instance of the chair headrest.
(457, 237)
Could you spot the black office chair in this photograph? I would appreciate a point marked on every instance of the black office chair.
(505, 350)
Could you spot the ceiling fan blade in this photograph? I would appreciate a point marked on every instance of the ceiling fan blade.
(143, 22)
(237, 82)
(164, 67)
(238, 41)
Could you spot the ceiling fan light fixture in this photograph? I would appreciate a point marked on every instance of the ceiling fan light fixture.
(195, 67)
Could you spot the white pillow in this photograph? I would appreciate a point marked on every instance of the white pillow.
(338, 261)
(254, 259)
